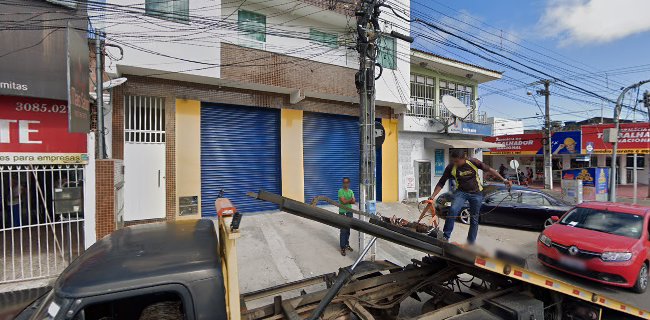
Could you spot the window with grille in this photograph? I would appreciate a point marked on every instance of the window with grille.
(144, 119)
(323, 38)
(387, 52)
(423, 96)
(174, 10)
(251, 25)
(463, 92)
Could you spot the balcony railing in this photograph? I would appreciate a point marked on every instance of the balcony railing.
(430, 110)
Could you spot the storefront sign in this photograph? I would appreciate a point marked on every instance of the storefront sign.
(78, 99)
(529, 143)
(439, 162)
(35, 131)
(594, 181)
(470, 128)
(565, 142)
(632, 138)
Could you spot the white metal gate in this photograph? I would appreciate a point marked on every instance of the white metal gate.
(38, 239)
(144, 158)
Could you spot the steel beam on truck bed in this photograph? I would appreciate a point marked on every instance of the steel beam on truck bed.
(374, 227)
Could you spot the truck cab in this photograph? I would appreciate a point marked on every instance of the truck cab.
(149, 271)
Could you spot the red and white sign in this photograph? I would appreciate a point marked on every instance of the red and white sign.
(528, 143)
(35, 131)
(632, 138)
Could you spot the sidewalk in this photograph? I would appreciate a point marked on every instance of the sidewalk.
(624, 193)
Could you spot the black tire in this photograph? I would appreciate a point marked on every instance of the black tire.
(641, 284)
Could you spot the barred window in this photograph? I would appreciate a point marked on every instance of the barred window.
(462, 92)
(423, 96)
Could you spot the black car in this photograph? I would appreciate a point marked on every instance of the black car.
(520, 207)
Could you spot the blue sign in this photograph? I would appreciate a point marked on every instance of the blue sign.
(476, 129)
(594, 180)
(565, 142)
(439, 162)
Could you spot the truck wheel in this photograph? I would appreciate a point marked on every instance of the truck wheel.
(464, 216)
(641, 284)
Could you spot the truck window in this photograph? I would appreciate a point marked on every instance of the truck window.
(167, 305)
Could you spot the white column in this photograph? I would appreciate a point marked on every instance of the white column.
(601, 160)
(622, 172)
(566, 162)
(90, 200)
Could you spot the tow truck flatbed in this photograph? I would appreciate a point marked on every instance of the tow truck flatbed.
(210, 289)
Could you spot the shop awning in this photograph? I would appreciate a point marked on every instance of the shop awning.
(452, 143)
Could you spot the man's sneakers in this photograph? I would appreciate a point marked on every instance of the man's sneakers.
(343, 253)
(349, 248)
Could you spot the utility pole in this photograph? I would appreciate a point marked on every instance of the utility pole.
(367, 35)
(99, 71)
(548, 154)
(368, 32)
(617, 125)
(646, 103)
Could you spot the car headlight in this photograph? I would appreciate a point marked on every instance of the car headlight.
(545, 240)
(616, 256)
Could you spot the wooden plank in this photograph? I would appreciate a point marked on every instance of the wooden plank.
(359, 310)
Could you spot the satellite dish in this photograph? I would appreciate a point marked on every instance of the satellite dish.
(455, 106)
(113, 83)
(514, 164)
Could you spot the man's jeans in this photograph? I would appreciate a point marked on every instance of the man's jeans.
(344, 238)
(475, 201)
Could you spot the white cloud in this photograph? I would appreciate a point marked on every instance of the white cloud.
(594, 21)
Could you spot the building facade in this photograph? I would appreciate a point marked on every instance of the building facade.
(242, 96)
(428, 131)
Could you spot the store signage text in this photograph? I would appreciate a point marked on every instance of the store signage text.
(35, 131)
(632, 138)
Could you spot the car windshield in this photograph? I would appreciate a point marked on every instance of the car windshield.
(622, 224)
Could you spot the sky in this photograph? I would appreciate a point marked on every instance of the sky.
(581, 42)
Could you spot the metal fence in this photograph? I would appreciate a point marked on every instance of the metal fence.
(423, 108)
(38, 240)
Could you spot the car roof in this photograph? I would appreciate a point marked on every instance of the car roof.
(617, 207)
(143, 256)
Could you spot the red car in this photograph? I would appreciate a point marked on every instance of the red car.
(603, 241)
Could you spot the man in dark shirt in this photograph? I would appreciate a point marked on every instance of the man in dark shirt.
(469, 188)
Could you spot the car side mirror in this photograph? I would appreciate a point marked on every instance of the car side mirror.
(555, 219)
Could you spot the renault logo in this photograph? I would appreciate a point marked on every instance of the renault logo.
(573, 250)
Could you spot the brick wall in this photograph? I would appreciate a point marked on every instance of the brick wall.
(285, 71)
(105, 197)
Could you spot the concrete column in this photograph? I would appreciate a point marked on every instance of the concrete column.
(601, 160)
(622, 171)
(566, 161)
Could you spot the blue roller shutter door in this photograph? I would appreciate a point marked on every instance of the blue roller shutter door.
(331, 152)
(240, 152)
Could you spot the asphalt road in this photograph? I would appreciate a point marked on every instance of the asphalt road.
(277, 248)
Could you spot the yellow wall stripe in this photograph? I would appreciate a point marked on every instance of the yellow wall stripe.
(389, 162)
(188, 152)
(291, 152)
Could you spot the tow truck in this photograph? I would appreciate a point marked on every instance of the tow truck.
(188, 270)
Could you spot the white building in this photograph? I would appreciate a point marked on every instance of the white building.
(503, 126)
(242, 95)
(428, 131)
